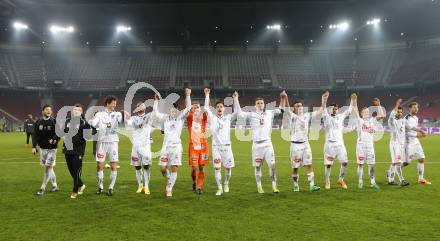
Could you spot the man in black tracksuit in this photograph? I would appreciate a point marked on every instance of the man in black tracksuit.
(74, 147)
(29, 128)
(45, 137)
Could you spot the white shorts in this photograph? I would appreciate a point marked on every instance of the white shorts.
(397, 151)
(300, 154)
(365, 153)
(414, 150)
(334, 151)
(222, 154)
(48, 157)
(104, 148)
(141, 155)
(262, 152)
(171, 155)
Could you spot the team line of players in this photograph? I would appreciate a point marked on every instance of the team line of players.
(404, 143)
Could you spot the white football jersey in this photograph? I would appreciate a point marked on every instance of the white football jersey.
(411, 124)
(334, 126)
(107, 124)
(299, 126)
(261, 123)
(397, 128)
(172, 126)
(366, 129)
(142, 127)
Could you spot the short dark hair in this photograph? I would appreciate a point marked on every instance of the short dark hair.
(219, 102)
(412, 104)
(79, 105)
(297, 102)
(109, 99)
(46, 106)
(259, 98)
(334, 105)
(400, 108)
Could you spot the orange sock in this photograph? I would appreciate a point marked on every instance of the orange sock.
(193, 175)
(201, 179)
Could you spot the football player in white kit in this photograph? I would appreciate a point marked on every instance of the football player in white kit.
(107, 122)
(414, 150)
(396, 124)
(366, 127)
(171, 153)
(141, 148)
(300, 151)
(262, 148)
(334, 148)
(220, 126)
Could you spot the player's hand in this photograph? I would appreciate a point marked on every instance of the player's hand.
(283, 94)
(399, 101)
(421, 134)
(207, 91)
(156, 97)
(126, 115)
(50, 141)
(187, 91)
(325, 95)
(34, 151)
(235, 94)
(353, 96)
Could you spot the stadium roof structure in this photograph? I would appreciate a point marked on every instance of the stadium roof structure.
(227, 22)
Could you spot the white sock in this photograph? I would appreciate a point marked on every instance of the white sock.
(171, 181)
(228, 174)
(371, 174)
(258, 176)
(295, 180)
(398, 171)
(391, 173)
(218, 178)
(328, 171)
(360, 172)
(113, 175)
(101, 179)
(46, 178)
(139, 177)
(342, 172)
(273, 176)
(311, 178)
(146, 177)
(53, 177)
(420, 169)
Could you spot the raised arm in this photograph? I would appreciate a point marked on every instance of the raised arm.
(380, 110)
(155, 114)
(353, 104)
(206, 107)
(285, 105)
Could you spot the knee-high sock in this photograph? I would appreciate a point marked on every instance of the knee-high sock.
(342, 172)
(258, 176)
(273, 176)
(360, 172)
(391, 173)
(139, 177)
(328, 171)
(113, 175)
(218, 178)
(146, 177)
(53, 177)
(200, 179)
(311, 178)
(371, 173)
(228, 174)
(295, 179)
(421, 169)
(171, 181)
(398, 171)
(101, 179)
(46, 178)
(193, 175)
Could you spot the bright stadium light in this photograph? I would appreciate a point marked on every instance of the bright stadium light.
(20, 26)
(374, 21)
(276, 27)
(61, 29)
(342, 26)
(123, 29)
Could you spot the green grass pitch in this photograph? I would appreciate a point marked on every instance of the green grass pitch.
(392, 213)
